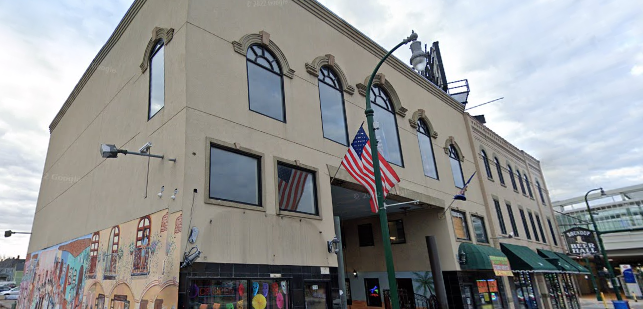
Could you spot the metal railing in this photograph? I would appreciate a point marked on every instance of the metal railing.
(111, 263)
(141, 265)
(412, 301)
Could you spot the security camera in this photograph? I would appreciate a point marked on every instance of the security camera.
(145, 148)
(510, 235)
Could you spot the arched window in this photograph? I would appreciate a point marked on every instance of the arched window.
(93, 253)
(528, 185)
(115, 238)
(331, 98)
(142, 251)
(143, 232)
(540, 192)
(485, 160)
(499, 170)
(112, 256)
(387, 134)
(522, 184)
(512, 177)
(426, 149)
(265, 83)
(456, 168)
(157, 79)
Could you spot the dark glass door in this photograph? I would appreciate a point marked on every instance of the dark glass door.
(317, 295)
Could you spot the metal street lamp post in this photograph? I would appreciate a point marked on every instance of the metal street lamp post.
(591, 276)
(390, 269)
(602, 246)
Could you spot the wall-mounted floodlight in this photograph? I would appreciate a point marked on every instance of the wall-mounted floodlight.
(109, 151)
(8, 233)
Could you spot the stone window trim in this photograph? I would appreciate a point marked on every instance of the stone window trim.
(307, 168)
(381, 81)
(421, 114)
(263, 39)
(329, 60)
(262, 175)
(164, 34)
(451, 141)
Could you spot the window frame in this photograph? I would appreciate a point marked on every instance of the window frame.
(485, 161)
(540, 228)
(421, 124)
(524, 223)
(512, 219)
(513, 178)
(540, 191)
(484, 228)
(142, 229)
(453, 151)
(528, 185)
(211, 142)
(522, 185)
(399, 225)
(390, 109)
(501, 219)
(309, 169)
(501, 178)
(553, 233)
(339, 88)
(363, 242)
(465, 228)
(158, 45)
(280, 74)
(533, 224)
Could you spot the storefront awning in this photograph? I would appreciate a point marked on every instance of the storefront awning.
(475, 257)
(556, 260)
(571, 262)
(525, 259)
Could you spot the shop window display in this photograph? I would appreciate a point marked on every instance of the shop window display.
(488, 294)
(238, 294)
(555, 292)
(525, 290)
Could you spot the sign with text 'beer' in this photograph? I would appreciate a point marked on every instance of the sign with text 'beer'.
(581, 241)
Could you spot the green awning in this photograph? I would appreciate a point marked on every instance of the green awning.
(556, 260)
(523, 258)
(570, 261)
(477, 257)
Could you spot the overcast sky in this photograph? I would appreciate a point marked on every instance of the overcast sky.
(570, 72)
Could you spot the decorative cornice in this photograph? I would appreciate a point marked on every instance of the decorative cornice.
(420, 114)
(381, 81)
(451, 141)
(329, 60)
(116, 35)
(158, 33)
(341, 26)
(263, 38)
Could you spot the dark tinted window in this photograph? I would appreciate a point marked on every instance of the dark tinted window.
(296, 190)
(485, 160)
(479, 229)
(456, 168)
(499, 170)
(234, 176)
(540, 228)
(533, 226)
(501, 219)
(426, 150)
(512, 219)
(387, 134)
(157, 79)
(540, 192)
(365, 235)
(551, 230)
(524, 224)
(522, 185)
(396, 232)
(265, 83)
(528, 185)
(331, 99)
(512, 177)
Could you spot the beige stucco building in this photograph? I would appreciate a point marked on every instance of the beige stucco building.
(253, 106)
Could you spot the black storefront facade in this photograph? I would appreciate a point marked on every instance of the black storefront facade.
(248, 286)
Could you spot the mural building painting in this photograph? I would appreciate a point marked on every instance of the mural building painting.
(130, 265)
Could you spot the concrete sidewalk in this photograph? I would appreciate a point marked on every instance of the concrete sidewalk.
(590, 302)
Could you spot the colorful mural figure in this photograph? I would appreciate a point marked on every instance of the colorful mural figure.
(130, 265)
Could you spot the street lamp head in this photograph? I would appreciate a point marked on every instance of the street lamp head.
(418, 56)
(108, 151)
(7, 233)
(603, 192)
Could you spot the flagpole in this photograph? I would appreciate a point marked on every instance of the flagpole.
(390, 269)
(342, 161)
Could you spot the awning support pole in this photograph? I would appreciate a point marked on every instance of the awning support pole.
(436, 269)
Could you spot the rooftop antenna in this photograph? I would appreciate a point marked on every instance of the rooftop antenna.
(472, 107)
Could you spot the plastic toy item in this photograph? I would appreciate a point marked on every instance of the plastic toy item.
(229, 306)
(255, 288)
(259, 302)
(284, 287)
(280, 301)
(216, 306)
(240, 304)
(275, 288)
(242, 289)
(265, 289)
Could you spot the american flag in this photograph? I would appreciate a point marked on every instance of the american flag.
(291, 187)
(359, 164)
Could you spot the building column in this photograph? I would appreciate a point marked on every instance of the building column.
(436, 270)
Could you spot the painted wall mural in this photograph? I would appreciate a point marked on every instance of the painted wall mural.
(130, 265)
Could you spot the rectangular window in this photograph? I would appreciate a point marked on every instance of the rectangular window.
(479, 229)
(297, 191)
(501, 219)
(332, 110)
(540, 228)
(373, 292)
(533, 225)
(460, 226)
(365, 235)
(396, 232)
(157, 80)
(553, 234)
(234, 176)
(265, 92)
(512, 219)
(524, 223)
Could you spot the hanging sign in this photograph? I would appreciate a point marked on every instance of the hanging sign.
(581, 241)
(500, 266)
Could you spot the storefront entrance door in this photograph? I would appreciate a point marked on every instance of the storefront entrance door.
(316, 295)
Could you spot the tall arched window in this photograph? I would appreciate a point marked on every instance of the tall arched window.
(141, 253)
(522, 184)
(540, 192)
(499, 170)
(456, 168)
(93, 253)
(331, 99)
(112, 256)
(426, 149)
(387, 134)
(143, 232)
(528, 185)
(157, 79)
(485, 160)
(265, 83)
(512, 177)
